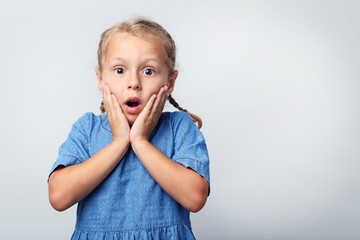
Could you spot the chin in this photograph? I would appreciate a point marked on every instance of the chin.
(131, 120)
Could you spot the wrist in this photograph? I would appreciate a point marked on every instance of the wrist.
(139, 143)
(120, 142)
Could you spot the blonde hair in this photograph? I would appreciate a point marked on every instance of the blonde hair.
(145, 29)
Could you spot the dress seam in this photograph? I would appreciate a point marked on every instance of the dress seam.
(135, 229)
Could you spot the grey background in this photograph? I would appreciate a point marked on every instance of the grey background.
(275, 82)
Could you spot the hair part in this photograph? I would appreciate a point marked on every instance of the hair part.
(148, 30)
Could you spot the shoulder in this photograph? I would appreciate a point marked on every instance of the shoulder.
(181, 124)
(85, 120)
(89, 121)
(178, 118)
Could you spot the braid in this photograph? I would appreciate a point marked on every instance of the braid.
(102, 107)
(195, 118)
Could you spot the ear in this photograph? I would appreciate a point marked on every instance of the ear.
(99, 78)
(171, 81)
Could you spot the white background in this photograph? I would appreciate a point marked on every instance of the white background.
(275, 82)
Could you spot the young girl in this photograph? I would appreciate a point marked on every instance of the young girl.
(136, 172)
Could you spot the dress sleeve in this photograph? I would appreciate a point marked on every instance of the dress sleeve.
(75, 149)
(190, 146)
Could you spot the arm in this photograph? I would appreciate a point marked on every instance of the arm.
(186, 186)
(68, 185)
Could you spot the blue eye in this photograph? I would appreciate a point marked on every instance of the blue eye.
(119, 70)
(149, 72)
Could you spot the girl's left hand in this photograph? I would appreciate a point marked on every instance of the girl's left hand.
(148, 118)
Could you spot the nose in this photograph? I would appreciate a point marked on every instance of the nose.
(134, 82)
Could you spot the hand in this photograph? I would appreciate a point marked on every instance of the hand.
(148, 118)
(117, 120)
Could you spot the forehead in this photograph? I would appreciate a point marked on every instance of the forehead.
(134, 46)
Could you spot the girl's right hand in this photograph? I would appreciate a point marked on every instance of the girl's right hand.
(119, 125)
(68, 185)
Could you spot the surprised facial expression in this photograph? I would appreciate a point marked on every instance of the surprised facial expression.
(134, 69)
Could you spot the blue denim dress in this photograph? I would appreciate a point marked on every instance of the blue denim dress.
(129, 204)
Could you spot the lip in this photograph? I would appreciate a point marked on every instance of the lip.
(132, 110)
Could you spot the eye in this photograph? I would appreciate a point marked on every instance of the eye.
(119, 70)
(149, 72)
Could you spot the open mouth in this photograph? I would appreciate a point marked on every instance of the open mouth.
(132, 102)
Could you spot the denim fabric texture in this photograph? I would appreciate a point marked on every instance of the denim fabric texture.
(129, 204)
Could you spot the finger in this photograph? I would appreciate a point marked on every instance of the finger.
(149, 105)
(164, 96)
(108, 101)
(115, 104)
(105, 99)
(160, 101)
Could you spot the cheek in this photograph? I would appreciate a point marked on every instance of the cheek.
(115, 89)
(115, 86)
(155, 87)
(154, 90)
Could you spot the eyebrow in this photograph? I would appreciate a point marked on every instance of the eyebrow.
(149, 59)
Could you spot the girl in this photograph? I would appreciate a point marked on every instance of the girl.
(136, 172)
